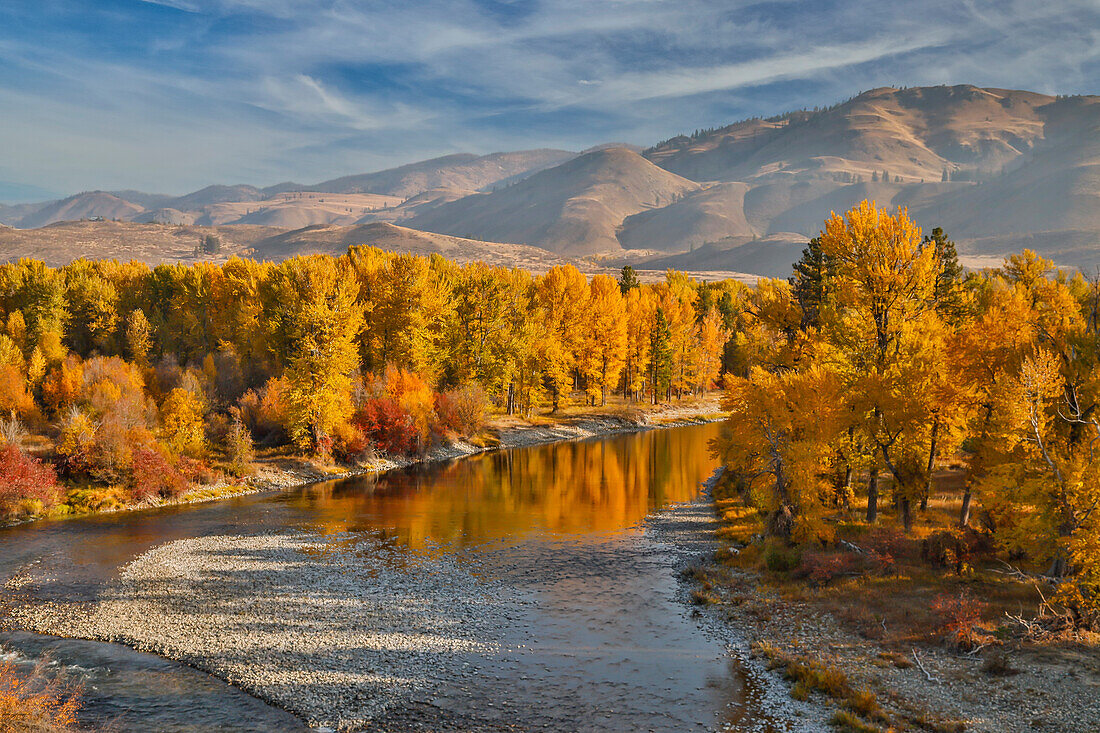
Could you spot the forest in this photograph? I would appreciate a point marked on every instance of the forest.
(120, 383)
(879, 368)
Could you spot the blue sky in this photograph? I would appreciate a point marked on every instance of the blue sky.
(169, 95)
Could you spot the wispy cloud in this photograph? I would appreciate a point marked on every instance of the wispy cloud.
(172, 94)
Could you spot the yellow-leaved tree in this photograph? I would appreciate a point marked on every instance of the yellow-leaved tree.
(888, 338)
(317, 310)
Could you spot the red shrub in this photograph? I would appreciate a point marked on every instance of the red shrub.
(821, 568)
(959, 618)
(153, 475)
(387, 426)
(25, 477)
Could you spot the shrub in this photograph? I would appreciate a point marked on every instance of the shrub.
(31, 702)
(820, 568)
(387, 425)
(959, 617)
(780, 559)
(239, 451)
(152, 475)
(462, 410)
(24, 477)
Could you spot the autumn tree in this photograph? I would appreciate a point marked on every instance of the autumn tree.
(315, 309)
(883, 324)
(603, 344)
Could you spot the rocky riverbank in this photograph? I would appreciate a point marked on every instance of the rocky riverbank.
(285, 472)
(334, 629)
(1009, 688)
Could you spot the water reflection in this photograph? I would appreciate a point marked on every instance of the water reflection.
(595, 486)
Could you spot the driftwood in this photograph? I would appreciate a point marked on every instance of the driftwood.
(927, 674)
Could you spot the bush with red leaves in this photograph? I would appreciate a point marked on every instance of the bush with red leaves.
(821, 568)
(153, 475)
(25, 477)
(387, 425)
(959, 618)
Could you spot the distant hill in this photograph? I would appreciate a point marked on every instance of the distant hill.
(94, 204)
(997, 169)
(335, 241)
(465, 171)
(574, 208)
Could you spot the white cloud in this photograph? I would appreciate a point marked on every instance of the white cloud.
(315, 87)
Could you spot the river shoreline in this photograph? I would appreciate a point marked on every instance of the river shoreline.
(284, 473)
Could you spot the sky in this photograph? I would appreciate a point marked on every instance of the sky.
(171, 95)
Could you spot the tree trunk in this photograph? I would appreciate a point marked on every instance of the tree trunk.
(872, 496)
(931, 465)
(906, 514)
(511, 398)
(964, 513)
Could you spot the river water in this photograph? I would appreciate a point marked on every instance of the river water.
(604, 644)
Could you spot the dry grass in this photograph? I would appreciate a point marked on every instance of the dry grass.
(893, 601)
(32, 703)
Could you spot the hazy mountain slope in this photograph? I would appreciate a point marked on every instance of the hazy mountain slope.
(82, 206)
(771, 256)
(335, 241)
(1054, 187)
(463, 171)
(914, 133)
(61, 243)
(708, 215)
(10, 215)
(216, 194)
(573, 208)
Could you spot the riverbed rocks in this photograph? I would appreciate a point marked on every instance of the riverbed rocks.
(333, 629)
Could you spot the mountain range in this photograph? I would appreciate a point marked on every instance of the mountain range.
(998, 169)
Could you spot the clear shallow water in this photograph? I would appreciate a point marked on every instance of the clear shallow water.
(604, 645)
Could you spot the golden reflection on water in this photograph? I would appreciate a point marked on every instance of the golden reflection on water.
(567, 488)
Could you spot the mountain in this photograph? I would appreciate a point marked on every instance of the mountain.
(574, 208)
(998, 169)
(335, 240)
(914, 133)
(711, 214)
(463, 171)
(210, 195)
(90, 205)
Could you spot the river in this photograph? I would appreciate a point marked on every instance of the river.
(602, 639)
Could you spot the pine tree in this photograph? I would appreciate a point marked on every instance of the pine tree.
(810, 283)
(660, 350)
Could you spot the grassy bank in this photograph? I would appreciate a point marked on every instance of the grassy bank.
(935, 630)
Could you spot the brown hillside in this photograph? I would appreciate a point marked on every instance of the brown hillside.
(574, 208)
(82, 206)
(335, 240)
(463, 171)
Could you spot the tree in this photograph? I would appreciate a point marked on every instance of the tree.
(182, 423)
(810, 283)
(776, 439)
(628, 280)
(882, 327)
(321, 321)
(603, 350)
(138, 338)
(660, 356)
